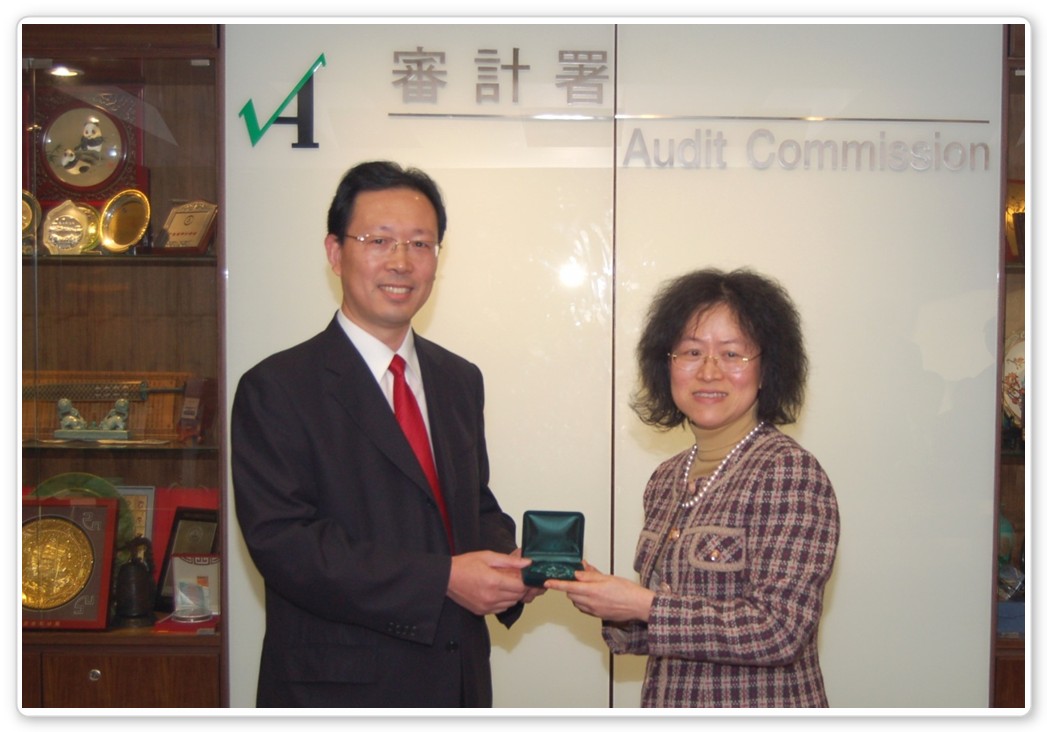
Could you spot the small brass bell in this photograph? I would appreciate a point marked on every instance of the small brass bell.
(135, 589)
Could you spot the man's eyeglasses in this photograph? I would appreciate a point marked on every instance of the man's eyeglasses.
(730, 362)
(380, 245)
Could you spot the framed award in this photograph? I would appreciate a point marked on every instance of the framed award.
(188, 229)
(67, 562)
(194, 531)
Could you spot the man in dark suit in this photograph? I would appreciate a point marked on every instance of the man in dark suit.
(377, 581)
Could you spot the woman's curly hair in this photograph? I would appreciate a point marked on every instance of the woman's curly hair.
(765, 313)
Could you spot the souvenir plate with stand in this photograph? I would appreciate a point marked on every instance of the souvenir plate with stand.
(124, 220)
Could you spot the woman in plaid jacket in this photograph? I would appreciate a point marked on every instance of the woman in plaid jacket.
(740, 531)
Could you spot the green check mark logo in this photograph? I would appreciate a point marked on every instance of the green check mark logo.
(250, 117)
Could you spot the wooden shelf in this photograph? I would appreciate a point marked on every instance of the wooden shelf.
(120, 260)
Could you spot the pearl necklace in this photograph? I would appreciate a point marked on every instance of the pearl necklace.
(689, 487)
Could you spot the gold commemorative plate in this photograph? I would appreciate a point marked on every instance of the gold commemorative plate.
(124, 220)
(67, 562)
(91, 237)
(57, 561)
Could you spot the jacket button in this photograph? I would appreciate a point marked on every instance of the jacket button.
(452, 645)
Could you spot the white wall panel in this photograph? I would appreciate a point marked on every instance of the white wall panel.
(523, 288)
(895, 275)
(555, 247)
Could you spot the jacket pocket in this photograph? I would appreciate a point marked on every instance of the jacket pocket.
(646, 545)
(715, 548)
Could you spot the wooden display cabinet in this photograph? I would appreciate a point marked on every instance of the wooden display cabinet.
(107, 313)
(120, 668)
(1008, 636)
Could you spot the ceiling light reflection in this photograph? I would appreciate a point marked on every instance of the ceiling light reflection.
(573, 274)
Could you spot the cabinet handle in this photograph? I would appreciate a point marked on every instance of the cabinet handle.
(94, 674)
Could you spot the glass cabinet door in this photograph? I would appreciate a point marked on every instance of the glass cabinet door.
(121, 343)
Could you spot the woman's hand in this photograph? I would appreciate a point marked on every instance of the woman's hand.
(605, 596)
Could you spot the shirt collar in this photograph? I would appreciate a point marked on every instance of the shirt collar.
(376, 354)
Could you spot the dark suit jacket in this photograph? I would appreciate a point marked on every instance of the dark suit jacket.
(341, 523)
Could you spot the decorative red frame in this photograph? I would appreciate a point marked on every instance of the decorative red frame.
(97, 518)
(123, 106)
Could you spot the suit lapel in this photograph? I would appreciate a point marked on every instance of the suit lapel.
(437, 395)
(351, 384)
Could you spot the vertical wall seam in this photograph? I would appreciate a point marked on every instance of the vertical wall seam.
(614, 324)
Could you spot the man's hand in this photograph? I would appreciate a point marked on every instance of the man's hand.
(532, 592)
(487, 582)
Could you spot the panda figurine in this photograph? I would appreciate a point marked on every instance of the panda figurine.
(91, 141)
(72, 163)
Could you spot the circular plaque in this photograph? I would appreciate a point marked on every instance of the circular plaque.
(84, 148)
(124, 220)
(57, 559)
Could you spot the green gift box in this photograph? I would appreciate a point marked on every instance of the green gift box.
(553, 541)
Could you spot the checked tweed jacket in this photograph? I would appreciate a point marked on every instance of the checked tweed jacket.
(739, 591)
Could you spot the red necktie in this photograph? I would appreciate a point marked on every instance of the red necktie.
(410, 418)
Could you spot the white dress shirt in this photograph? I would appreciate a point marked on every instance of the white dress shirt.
(377, 356)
